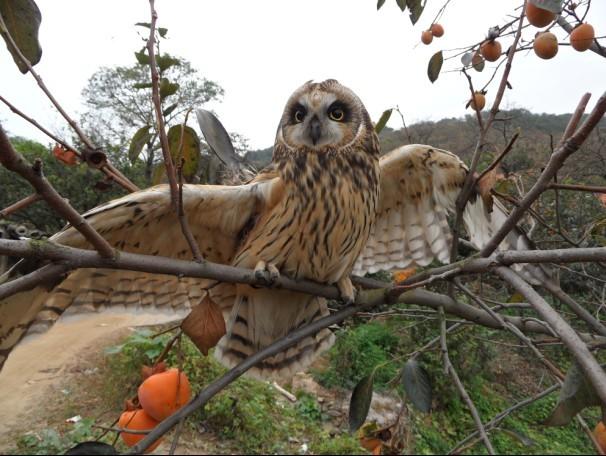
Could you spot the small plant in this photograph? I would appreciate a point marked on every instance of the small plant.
(357, 352)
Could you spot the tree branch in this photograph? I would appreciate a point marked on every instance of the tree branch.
(22, 204)
(15, 162)
(571, 339)
(556, 161)
(168, 161)
(94, 159)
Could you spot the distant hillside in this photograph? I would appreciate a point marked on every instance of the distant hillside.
(537, 133)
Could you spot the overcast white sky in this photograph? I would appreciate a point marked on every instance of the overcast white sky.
(261, 50)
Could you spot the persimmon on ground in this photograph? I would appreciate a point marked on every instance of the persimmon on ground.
(162, 394)
(491, 50)
(137, 420)
(582, 37)
(545, 45)
(538, 17)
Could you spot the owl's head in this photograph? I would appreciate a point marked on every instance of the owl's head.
(323, 115)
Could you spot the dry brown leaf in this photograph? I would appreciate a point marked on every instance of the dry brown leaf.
(485, 185)
(204, 325)
(66, 156)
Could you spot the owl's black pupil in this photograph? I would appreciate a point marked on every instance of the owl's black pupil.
(299, 116)
(337, 114)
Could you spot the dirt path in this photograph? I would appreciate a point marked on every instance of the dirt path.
(39, 365)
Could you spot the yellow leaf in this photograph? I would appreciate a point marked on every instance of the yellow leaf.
(402, 274)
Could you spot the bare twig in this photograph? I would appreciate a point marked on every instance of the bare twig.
(100, 160)
(19, 205)
(13, 161)
(562, 152)
(173, 445)
(571, 339)
(578, 188)
(499, 158)
(462, 445)
(468, 185)
(462, 391)
(176, 194)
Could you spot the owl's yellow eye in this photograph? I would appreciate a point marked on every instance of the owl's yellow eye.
(299, 115)
(336, 114)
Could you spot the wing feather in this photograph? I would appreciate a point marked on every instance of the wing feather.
(419, 188)
(144, 222)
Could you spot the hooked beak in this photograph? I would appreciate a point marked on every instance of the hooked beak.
(315, 130)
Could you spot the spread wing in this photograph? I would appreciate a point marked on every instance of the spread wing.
(143, 222)
(419, 187)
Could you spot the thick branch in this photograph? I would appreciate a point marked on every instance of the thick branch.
(571, 339)
(80, 258)
(556, 161)
(46, 273)
(13, 161)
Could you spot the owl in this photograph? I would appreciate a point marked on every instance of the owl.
(327, 206)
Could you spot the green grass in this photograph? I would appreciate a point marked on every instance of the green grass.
(250, 417)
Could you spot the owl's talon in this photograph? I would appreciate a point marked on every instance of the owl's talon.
(347, 290)
(267, 272)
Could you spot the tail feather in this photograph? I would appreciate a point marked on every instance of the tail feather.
(259, 318)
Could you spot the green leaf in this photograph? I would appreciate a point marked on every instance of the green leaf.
(555, 6)
(417, 385)
(170, 109)
(576, 394)
(359, 404)
(382, 121)
(416, 9)
(114, 350)
(165, 61)
(140, 138)
(143, 24)
(158, 174)
(190, 150)
(380, 3)
(401, 4)
(162, 31)
(142, 57)
(516, 297)
(167, 88)
(22, 20)
(142, 85)
(435, 65)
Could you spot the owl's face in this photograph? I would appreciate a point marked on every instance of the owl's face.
(321, 116)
